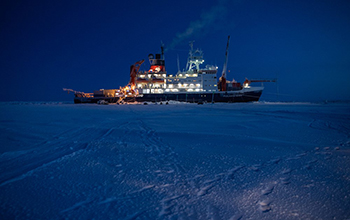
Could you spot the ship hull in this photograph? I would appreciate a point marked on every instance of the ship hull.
(202, 97)
(78, 100)
(244, 95)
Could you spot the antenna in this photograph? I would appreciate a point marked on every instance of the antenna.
(162, 49)
(190, 54)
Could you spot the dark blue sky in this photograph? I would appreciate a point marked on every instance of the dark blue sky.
(88, 45)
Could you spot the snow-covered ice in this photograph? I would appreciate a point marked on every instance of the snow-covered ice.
(177, 161)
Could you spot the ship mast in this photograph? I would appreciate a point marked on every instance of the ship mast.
(162, 50)
(188, 65)
(195, 58)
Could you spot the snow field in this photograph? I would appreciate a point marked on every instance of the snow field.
(177, 161)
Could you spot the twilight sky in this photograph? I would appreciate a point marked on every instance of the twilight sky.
(89, 45)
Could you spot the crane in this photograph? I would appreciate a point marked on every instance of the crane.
(133, 72)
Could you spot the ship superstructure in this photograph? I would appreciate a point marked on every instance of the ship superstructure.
(192, 80)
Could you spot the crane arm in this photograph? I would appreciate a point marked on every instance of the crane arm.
(133, 72)
(247, 81)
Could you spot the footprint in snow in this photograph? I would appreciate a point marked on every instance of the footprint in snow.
(204, 190)
(233, 171)
(296, 157)
(307, 166)
(285, 180)
(264, 206)
(275, 161)
(237, 216)
(212, 180)
(301, 155)
(328, 157)
(255, 167)
(267, 190)
(287, 171)
(312, 161)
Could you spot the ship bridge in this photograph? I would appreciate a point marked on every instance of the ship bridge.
(153, 80)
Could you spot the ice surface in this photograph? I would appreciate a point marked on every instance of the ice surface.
(176, 161)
